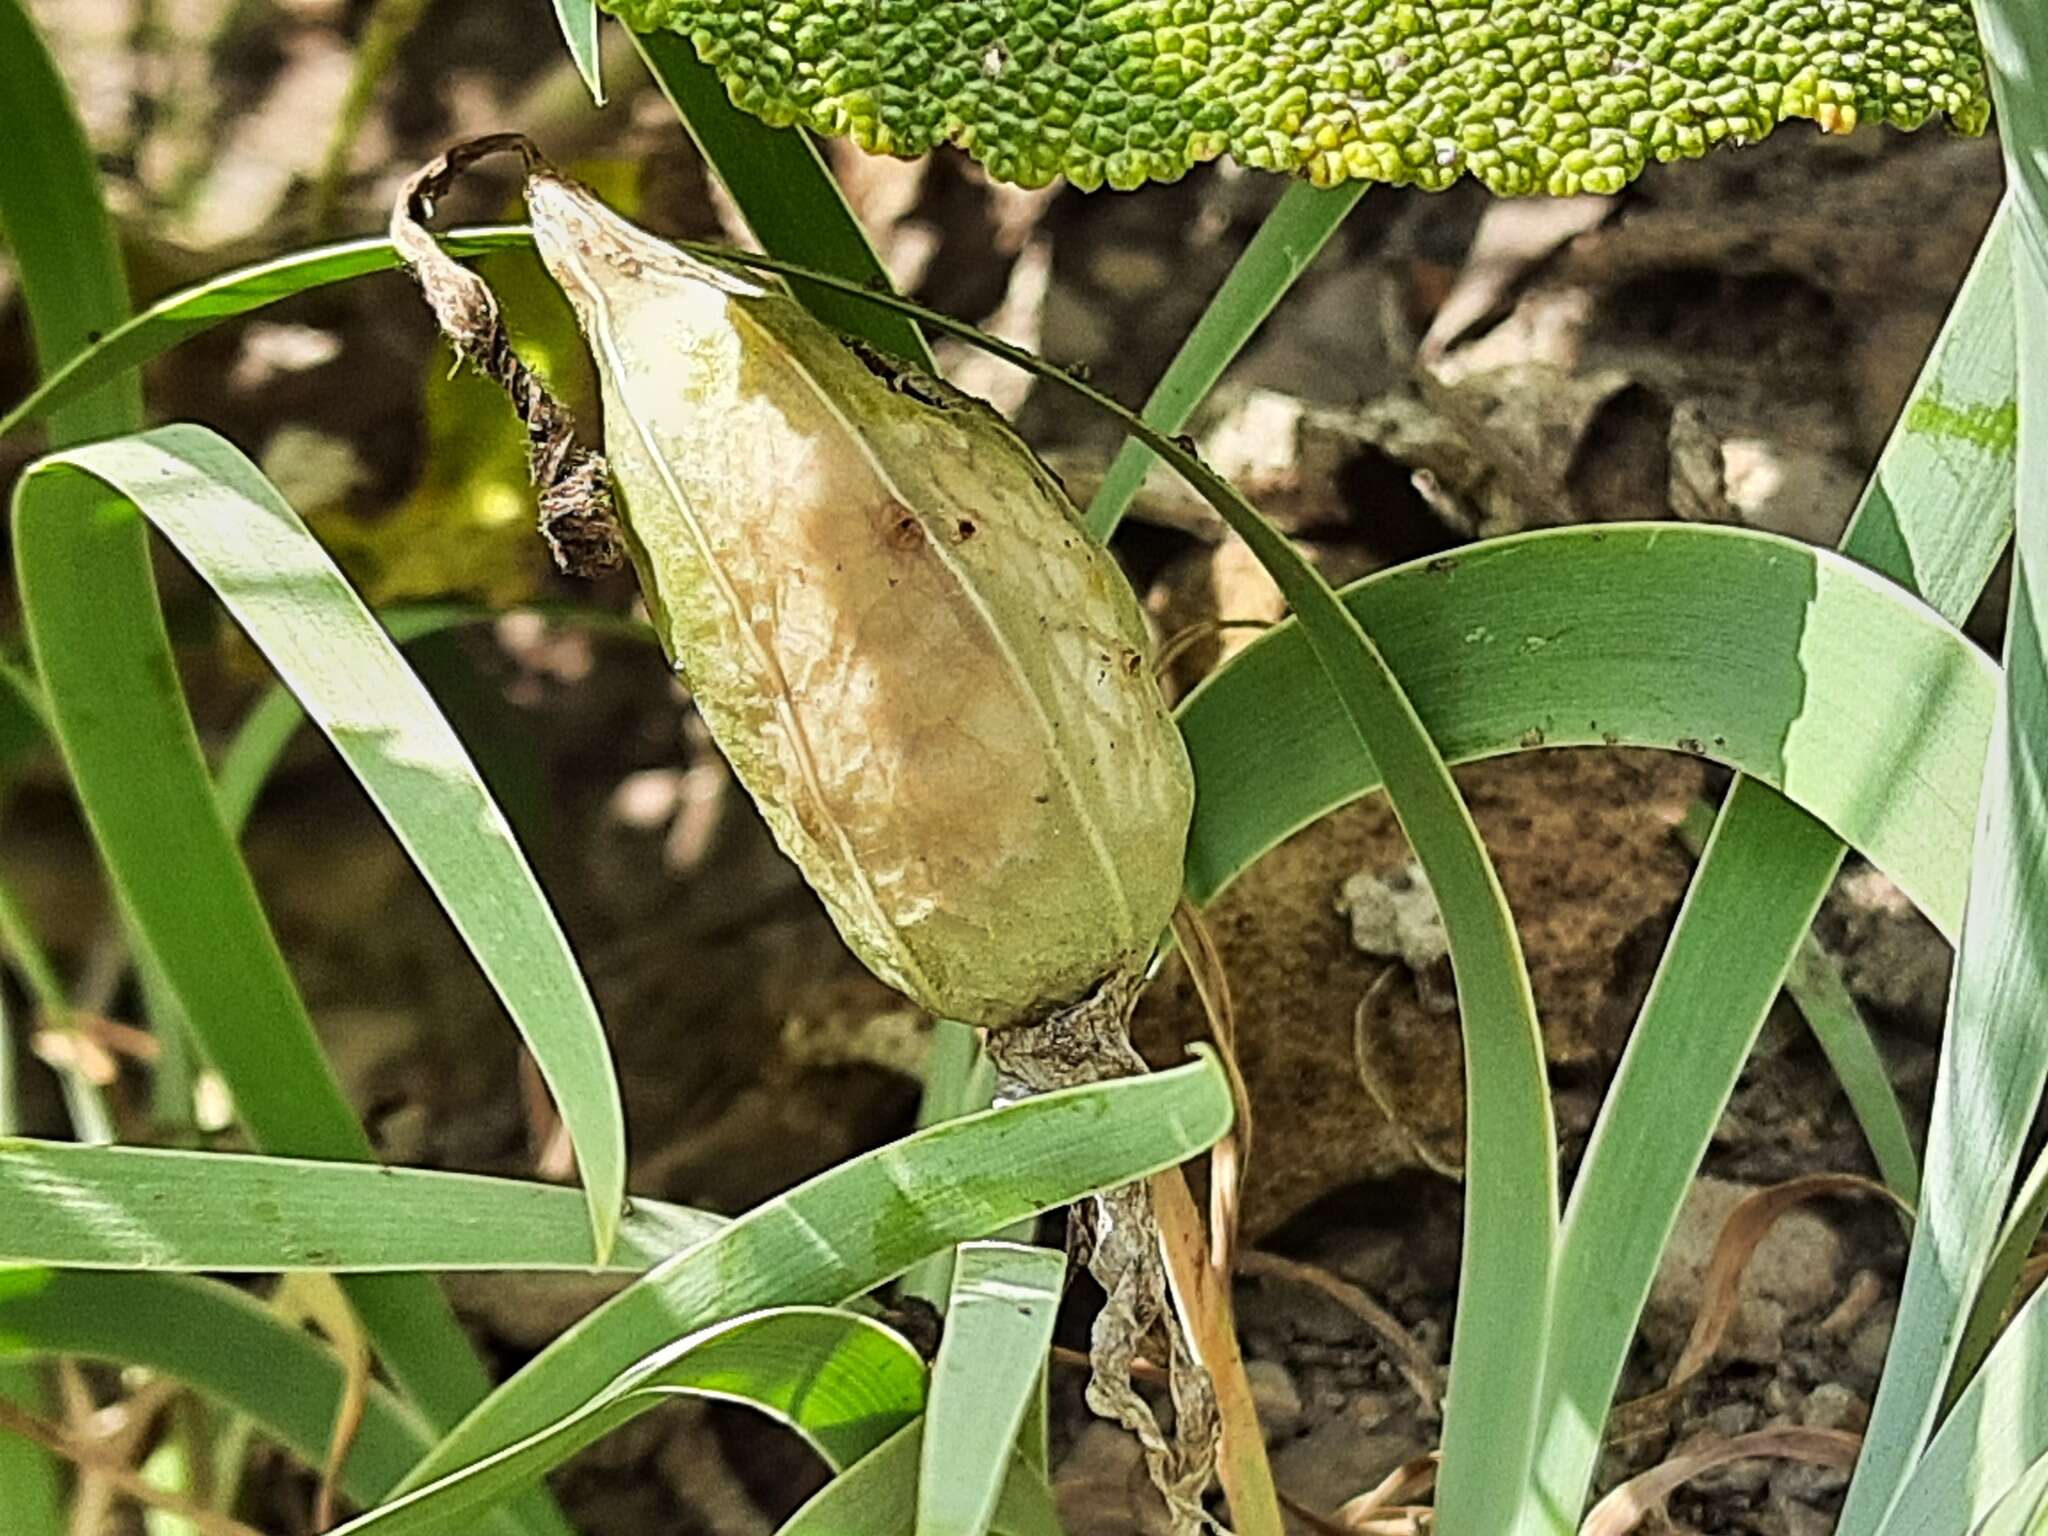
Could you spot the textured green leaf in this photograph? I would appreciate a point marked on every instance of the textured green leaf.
(144, 1208)
(843, 1382)
(1565, 96)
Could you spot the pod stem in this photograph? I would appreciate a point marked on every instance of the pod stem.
(1118, 1236)
(577, 515)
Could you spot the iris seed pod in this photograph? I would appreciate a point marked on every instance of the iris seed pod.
(931, 680)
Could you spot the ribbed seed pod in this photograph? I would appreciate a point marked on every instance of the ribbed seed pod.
(931, 680)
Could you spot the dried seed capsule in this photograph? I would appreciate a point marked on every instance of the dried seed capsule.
(930, 679)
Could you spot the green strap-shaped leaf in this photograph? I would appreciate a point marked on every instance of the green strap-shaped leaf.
(843, 1382)
(1816, 988)
(877, 1496)
(1287, 241)
(1798, 666)
(135, 1208)
(91, 609)
(1996, 1432)
(999, 1320)
(851, 1228)
(228, 1347)
(2023, 1511)
(1994, 1054)
(70, 266)
(1568, 96)
(124, 346)
(578, 21)
(56, 227)
(1934, 517)
(31, 1488)
(223, 1343)
(62, 244)
(96, 591)
(251, 548)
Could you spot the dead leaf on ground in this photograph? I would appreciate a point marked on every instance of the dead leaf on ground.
(1748, 1224)
(1627, 1506)
(1410, 1359)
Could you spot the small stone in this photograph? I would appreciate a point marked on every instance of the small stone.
(1781, 1396)
(1864, 1359)
(1833, 1406)
(1343, 1457)
(1276, 1397)
(1803, 1483)
(1747, 1477)
(1801, 1519)
(1102, 1488)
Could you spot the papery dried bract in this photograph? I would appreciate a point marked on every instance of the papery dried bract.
(931, 680)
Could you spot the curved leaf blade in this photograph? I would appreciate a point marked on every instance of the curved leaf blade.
(284, 590)
(94, 624)
(1994, 1058)
(57, 229)
(844, 1382)
(1996, 1432)
(190, 312)
(1800, 667)
(859, 1224)
(223, 1343)
(1934, 517)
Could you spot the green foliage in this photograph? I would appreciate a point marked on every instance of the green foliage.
(137, 1208)
(998, 1327)
(843, 1382)
(1836, 684)
(1994, 1056)
(1567, 96)
(235, 529)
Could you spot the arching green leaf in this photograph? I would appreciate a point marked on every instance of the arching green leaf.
(251, 548)
(843, 1382)
(856, 1225)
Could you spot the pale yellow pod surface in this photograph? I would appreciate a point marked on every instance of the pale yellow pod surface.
(934, 684)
